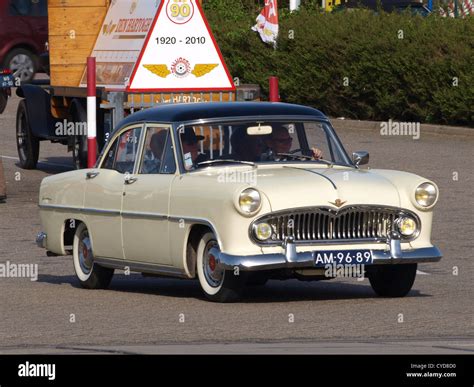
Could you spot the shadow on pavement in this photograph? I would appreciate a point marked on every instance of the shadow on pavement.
(274, 291)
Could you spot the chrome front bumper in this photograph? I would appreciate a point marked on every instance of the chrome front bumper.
(291, 259)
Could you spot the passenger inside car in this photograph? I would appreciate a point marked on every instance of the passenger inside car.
(154, 152)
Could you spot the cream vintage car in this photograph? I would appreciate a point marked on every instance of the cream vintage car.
(234, 194)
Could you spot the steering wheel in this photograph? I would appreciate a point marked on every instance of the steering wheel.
(295, 157)
(296, 150)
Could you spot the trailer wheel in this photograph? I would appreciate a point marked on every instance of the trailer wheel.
(79, 144)
(26, 142)
(79, 152)
(3, 100)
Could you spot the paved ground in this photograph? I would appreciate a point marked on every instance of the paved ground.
(343, 316)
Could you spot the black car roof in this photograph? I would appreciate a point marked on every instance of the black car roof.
(194, 111)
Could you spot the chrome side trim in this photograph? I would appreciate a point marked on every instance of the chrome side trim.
(100, 211)
(140, 267)
(59, 207)
(78, 209)
(136, 214)
(143, 215)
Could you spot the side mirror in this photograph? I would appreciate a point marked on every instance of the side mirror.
(360, 158)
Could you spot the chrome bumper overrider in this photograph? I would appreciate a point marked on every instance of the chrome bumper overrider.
(41, 239)
(291, 259)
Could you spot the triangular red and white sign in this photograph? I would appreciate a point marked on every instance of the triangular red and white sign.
(180, 53)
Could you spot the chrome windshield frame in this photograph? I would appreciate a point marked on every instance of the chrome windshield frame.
(329, 130)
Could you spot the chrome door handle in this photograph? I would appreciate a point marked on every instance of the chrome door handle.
(130, 179)
(91, 175)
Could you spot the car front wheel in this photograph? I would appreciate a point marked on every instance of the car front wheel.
(218, 285)
(23, 64)
(393, 280)
(89, 273)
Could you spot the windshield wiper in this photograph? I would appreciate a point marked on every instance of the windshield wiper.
(295, 156)
(225, 161)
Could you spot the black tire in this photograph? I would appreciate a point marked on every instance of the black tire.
(79, 152)
(79, 146)
(90, 274)
(23, 63)
(3, 100)
(257, 280)
(27, 144)
(231, 284)
(393, 280)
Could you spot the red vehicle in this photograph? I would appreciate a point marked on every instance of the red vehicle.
(23, 34)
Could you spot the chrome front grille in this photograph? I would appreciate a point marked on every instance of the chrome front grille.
(324, 224)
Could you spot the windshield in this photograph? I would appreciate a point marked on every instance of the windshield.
(259, 142)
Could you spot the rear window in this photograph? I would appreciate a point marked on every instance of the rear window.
(35, 8)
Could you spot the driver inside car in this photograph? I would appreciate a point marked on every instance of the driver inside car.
(280, 142)
(190, 144)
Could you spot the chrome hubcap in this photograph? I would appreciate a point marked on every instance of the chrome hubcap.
(86, 258)
(214, 275)
(22, 67)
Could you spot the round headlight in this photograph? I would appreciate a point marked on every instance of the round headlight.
(406, 226)
(426, 194)
(249, 201)
(263, 231)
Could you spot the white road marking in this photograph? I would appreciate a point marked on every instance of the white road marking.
(41, 162)
(422, 272)
(9, 157)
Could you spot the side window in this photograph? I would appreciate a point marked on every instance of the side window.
(158, 153)
(28, 8)
(110, 157)
(123, 152)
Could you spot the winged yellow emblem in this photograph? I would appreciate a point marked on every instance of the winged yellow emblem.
(202, 69)
(199, 70)
(159, 69)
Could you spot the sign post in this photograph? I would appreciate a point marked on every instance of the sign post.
(91, 113)
(274, 94)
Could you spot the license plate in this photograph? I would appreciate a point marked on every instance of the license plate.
(343, 257)
(7, 81)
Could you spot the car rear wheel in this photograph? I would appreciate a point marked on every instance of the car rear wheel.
(90, 274)
(218, 285)
(26, 142)
(22, 63)
(393, 280)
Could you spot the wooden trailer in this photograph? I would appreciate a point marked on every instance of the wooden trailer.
(74, 26)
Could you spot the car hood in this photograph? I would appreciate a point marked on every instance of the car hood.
(298, 186)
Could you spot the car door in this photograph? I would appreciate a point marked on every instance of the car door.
(145, 207)
(105, 190)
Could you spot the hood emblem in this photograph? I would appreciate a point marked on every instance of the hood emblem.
(338, 203)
